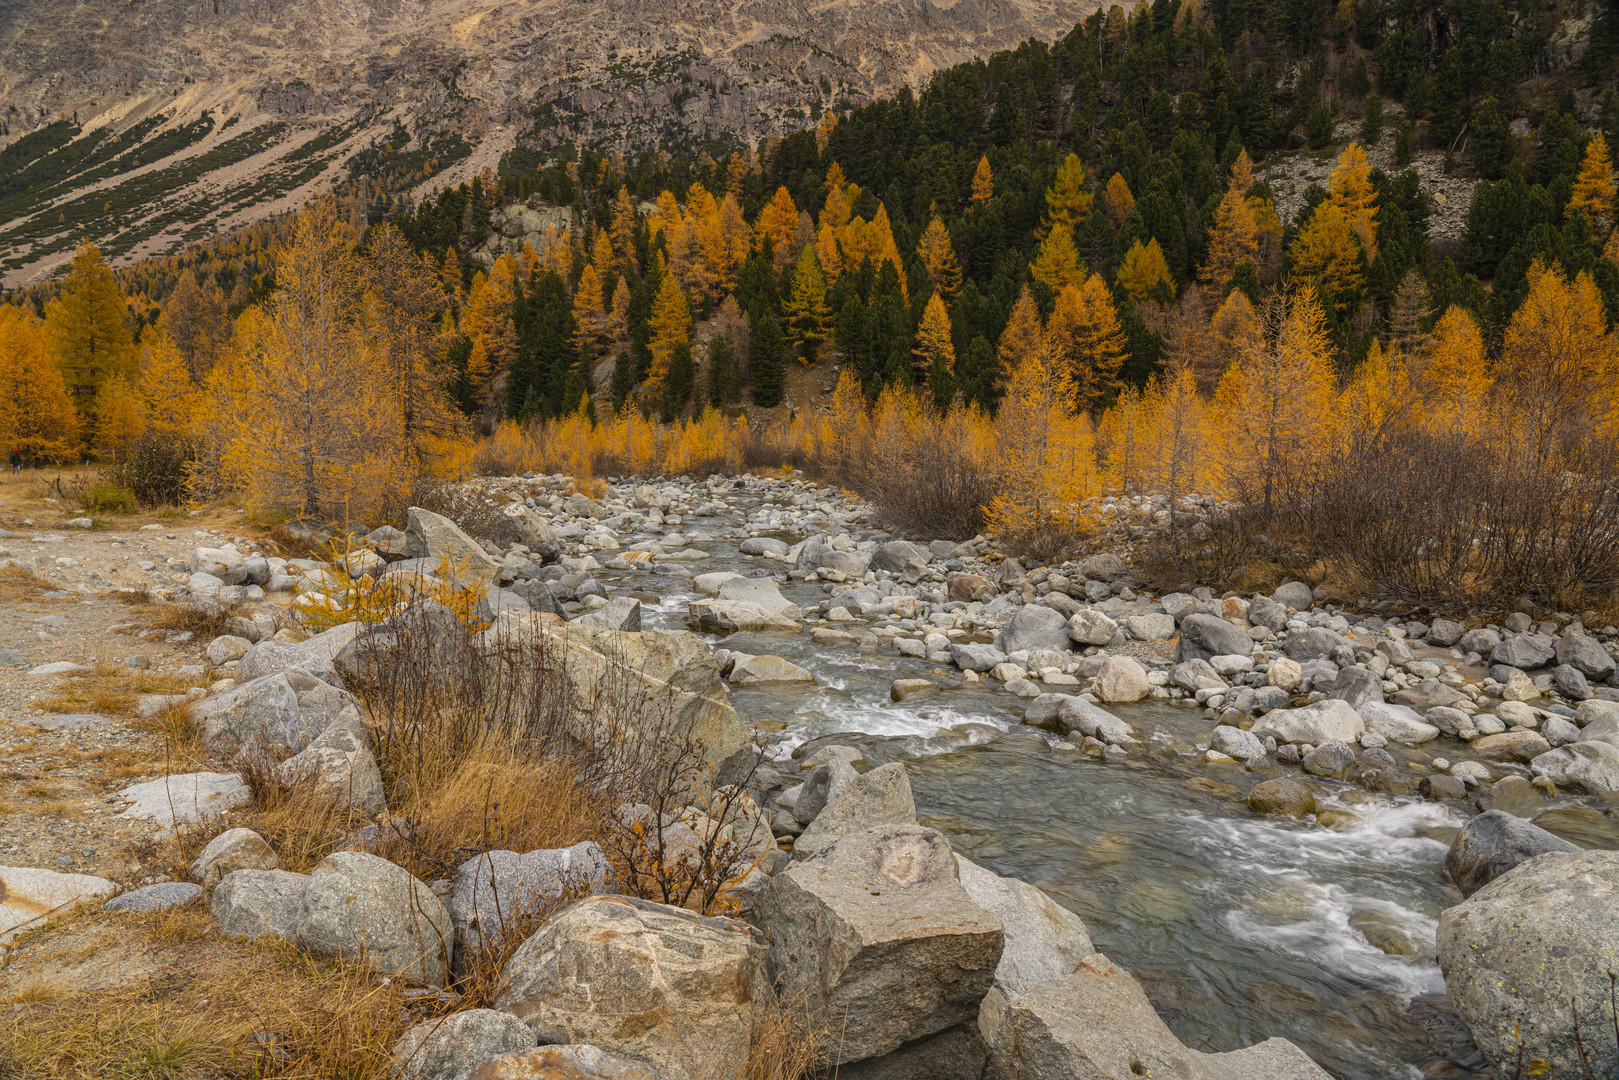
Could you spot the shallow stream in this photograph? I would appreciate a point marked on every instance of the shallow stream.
(1239, 927)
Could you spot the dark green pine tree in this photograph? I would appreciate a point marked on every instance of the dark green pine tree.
(978, 370)
(767, 368)
(679, 387)
(724, 381)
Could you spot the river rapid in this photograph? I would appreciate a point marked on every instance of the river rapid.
(1239, 927)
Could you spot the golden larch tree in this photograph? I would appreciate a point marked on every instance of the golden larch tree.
(1351, 191)
(37, 417)
(1069, 197)
(933, 334)
(807, 313)
(983, 189)
(1024, 333)
(1558, 363)
(196, 317)
(777, 222)
(1329, 251)
(88, 330)
(171, 395)
(1056, 264)
(1234, 238)
(1046, 452)
(590, 318)
(1118, 200)
(1594, 190)
(308, 426)
(1276, 403)
(671, 327)
(403, 310)
(1143, 269)
(1455, 380)
(944, 274)
(120, 421)
(623, 227)
(1084, 326)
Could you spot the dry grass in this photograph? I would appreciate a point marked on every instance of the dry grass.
(176, 618)
(107, 689)
(789, 1043)
(193, 1006)
(20, 586)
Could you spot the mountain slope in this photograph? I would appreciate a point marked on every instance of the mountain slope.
(177, 117)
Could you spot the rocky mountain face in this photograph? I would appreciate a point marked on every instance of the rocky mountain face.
(274, 96)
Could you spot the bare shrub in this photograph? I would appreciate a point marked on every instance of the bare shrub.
(484, 744)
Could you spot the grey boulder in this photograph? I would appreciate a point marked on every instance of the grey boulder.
(1035, 626)
(155, 897)
(1588, 765)
(1088, 626)
(879, 797)
(621, 613)
(1204, 637)
(444, 1048)
(568, 1061)
(896, 555)
(338, 767)
(1493, 843)
(1587, 654)
(675, 989)
(1042, 938)
(1313, 724)
(360, 906)
(1516, 953)
(232, 850)
(287, 711)
(498, 896)
(878, 937)
(460, 558)
(253, 903)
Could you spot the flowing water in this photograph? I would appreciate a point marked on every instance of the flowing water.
(1239, 927)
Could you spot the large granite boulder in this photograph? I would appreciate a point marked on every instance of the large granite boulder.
(670, 676)
(1396, 723)
(1043, 939)
(362, 907)
(1590, 765)
(1493, 843)
(253, 903)
(1527, 949)
(1122, 680)
(1313, 724)
(1585, 654)
(316, 656)
(660, 984)
(879, 938)
(285, 711)
(500, 893)
(338, 767)
(460, 558)
(1034, 626)
(896, 555)
(446, 1047)
(879, 797)
(1204, 637)
(1097, 1023)
(1088, 626)
(231, 850)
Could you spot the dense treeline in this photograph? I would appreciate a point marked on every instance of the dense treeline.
(1077, 227)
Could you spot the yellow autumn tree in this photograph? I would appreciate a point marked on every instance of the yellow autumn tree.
(1234, 238)
(172, 397)
(1024, 333)
(807, 313)
(933, 334)
(830, 227)
(1351, 191)
(1276, 403)
(944, 274)
(1378, 396)
(1118, 200)
(1329, 252)
(983, 182)
(1084, 328)
(590, 319)
(88, 330)
(1143, 269)
(1056, 265)
(623, 227)
(402, 312)
(777, 222)
(487, 321)
(120, 421)
(308, 425)
(671, 328)
(1068, 199)
(1558, 367)
(1455, 380)
(37, 418)
(1594, 190)
(1046, 455)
